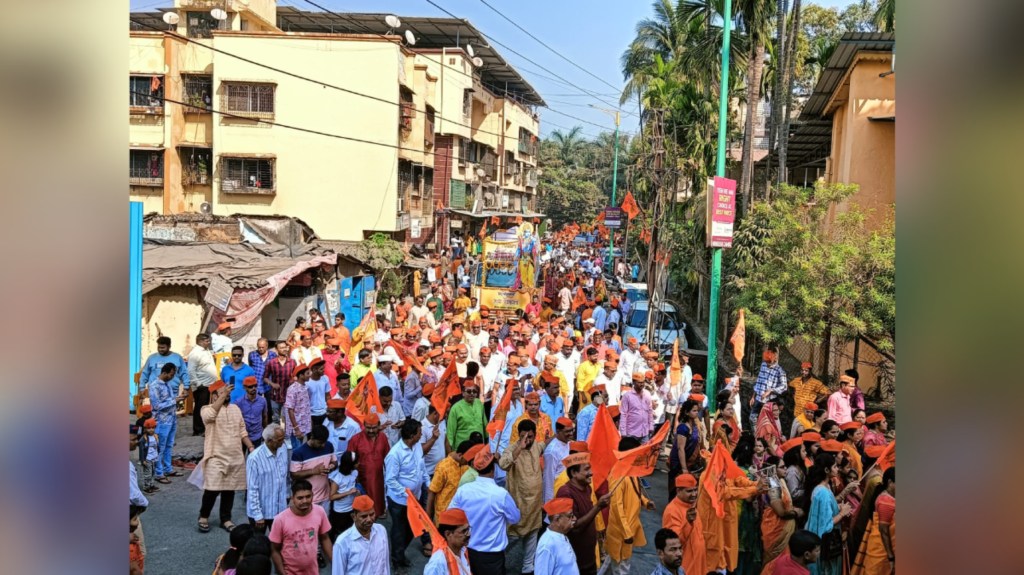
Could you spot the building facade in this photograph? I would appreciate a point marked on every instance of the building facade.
(273, 111)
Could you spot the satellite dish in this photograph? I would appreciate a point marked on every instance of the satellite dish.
(392, 21)
(218, 14)
(480, 172)
(205, 208)
(478, 61)
(410, 38)
(170, 18)
(469, 50)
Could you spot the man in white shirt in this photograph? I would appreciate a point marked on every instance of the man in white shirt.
(393, 416)
(475, 339)
(363, 548)
(611, 379)
(555, 555)
(568, 363)
(432, 440)
(202, 371)
(420, 310)
(306, 352)
(629, 358)
(221, 339)
(340, 428)
(489, 370)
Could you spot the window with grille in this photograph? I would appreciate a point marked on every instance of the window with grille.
(145, 94)
(428, 129)
(201, 24)
(247, 175)
(196, 165)
(527, 142)
(249, 99)
(407, 108)
(467, 103)
(146, 167)
(428, 193)
(197, 92)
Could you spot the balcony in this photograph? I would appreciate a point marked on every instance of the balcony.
(146, 168)
(247, 175)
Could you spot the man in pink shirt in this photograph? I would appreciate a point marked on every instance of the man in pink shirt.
(839, 402)
(298, 533)
(636, 411)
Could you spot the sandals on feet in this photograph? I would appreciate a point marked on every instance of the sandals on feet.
(203, 525)
(162, 480)
(227, 526)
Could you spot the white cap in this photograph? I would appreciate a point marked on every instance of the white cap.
(389, 357)
(589, 320)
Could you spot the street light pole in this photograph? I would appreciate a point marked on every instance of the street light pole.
(716, 253)
(615, 186)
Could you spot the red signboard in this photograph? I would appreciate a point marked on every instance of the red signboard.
(721, 212)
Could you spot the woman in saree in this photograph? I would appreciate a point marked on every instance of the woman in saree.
(877, 553)
(778, 521)
(794, 456)
(726, 427)
(769, 427)
(852, 435)
(685, 456)
(870, 488)
(825, 515)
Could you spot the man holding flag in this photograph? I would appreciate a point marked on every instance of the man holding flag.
(721, 485)
(453, 527)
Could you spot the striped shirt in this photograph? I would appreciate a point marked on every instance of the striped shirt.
(771, 380)
(259, 365)
(267, 482)
(281, 375)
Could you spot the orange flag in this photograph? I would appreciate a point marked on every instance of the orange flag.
(629, 206)
(603, 440)
(497, 423)
(364, 399)
(579, 299)
(420, 523)
(408, 358)
(442, 391)
(739, 338)
(675, 370)
(645, 236)
(600, 216)
(483, 230)
(720, 468)
(496, 220)
(888, 457)
(640, 461)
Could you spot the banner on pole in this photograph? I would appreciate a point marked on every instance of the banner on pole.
(613, 217)
(721, 212)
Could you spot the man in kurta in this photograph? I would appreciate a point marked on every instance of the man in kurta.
(624, 528)
(721, 534)
(223, 464)
(371, 447)
(681, 516)
(466, 416)
(583, 535)
(522, 461)
(545, 427)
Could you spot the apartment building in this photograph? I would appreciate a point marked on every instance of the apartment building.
(235, 109)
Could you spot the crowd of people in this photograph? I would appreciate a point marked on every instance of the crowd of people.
(471, 431)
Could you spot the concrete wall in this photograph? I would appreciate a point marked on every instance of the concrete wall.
(174, 311)
(454, 77)
(864, 151)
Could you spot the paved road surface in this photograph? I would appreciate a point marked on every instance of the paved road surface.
(174, 546)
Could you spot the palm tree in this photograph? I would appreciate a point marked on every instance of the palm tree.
(570, 147)
(790, 72)
(664, 35)
(755, 18)
(885, 15)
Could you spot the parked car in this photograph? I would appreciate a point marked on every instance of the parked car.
(635, 292)
(669, 326)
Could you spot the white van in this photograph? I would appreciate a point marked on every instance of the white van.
(669, 326)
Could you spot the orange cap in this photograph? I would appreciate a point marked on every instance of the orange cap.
(792, 443)
(452, 516)
(876, 417)
(576, 459)
(579, 447)
(362, 503)
(558, 506)
(686, 481)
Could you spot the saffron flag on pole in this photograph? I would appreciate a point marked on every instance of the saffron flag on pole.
(367, 325)
(501, 412)
(739, 338)
(603, 441)
(629, 206)
(675, 370)
(579, 299)
(888, 457)
(443, 390)
(420, 523)
(408, 358)
(364, 399)
(721, 467)
(640, 461)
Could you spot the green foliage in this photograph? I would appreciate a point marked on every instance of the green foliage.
(391, 284)
(576, 181)
(381, 252)
(798, 276)
(821, 29)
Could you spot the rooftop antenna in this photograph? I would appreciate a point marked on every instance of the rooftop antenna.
(171, 19)
(393, 22)
(410, 38)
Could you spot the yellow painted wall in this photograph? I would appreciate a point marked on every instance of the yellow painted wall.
(338, 187)
(864, 152)
(174, 311)
(452, 81)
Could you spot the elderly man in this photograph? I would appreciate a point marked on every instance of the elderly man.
(306, 351)
(555, 555)
(223, 464)
(637, 411)
(385, 375)
(403, 469)
(522, 463)
(583, 535)
(266, 475)
(363, 548)
(202, 372)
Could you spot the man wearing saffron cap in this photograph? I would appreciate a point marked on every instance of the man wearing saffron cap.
(554, 452)
(371, 447)
(555, 555)
(340, 428)
(583, 535)
(490, 510)
(681, 517)
(771, 382)
(625, 531)
(807, 389)
(453, 525)
(585, 418)
(363, 548)
(522, 461)
(223, 464)
(839, 408)
(545, 427)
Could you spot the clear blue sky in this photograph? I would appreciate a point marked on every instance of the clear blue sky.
(592, 33)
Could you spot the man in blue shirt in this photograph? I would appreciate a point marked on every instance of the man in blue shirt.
(551, 402)
(600, 317)
(157, 360)
(237, 370)
(490, 510)
(385, 375)
(165, 411)
(403, 469)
